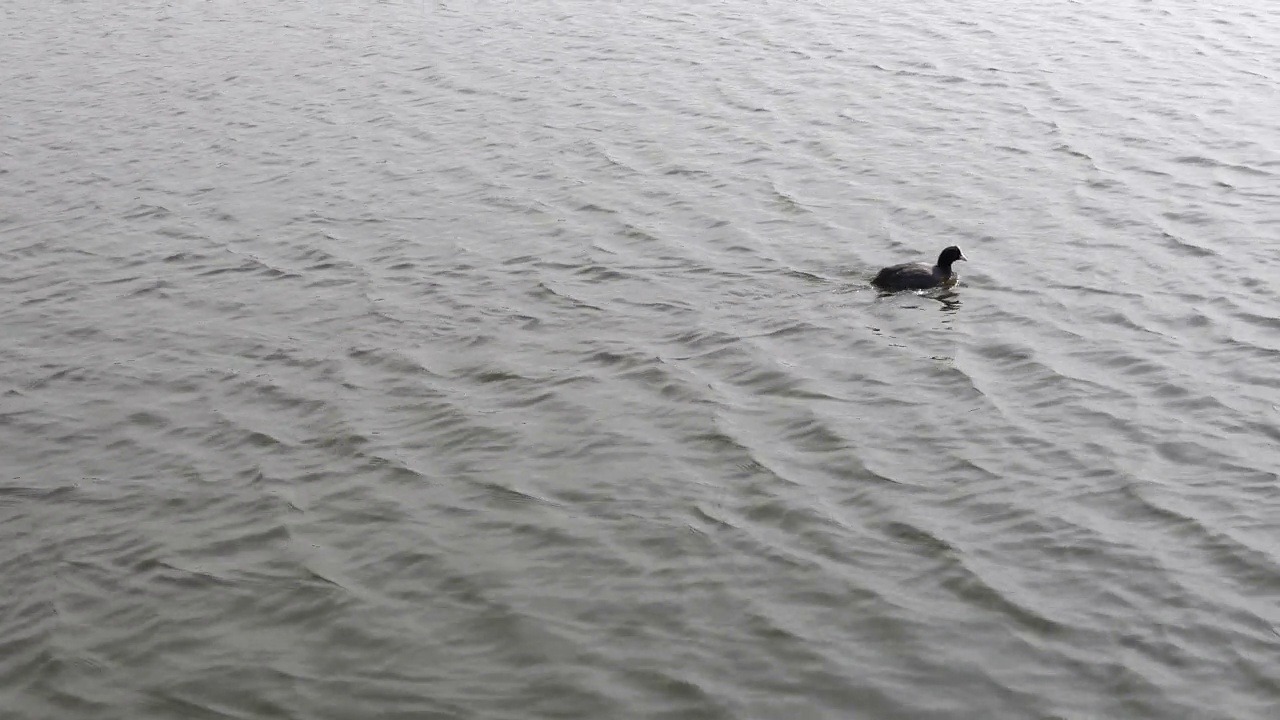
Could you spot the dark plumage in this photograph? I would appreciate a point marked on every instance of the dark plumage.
(918, 276)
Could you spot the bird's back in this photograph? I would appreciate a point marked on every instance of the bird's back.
(908, 276)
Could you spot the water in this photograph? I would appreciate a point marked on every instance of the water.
(510, 360)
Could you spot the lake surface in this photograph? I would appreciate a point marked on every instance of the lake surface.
(518, 360)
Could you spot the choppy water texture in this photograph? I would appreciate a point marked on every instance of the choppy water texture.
(518, 360)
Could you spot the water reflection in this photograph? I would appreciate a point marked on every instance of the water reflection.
(949, 301)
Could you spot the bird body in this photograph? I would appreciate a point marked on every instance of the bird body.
(919, 276)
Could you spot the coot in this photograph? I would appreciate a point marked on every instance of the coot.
(918, 276)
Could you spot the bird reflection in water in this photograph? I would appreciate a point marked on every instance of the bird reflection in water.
(950, 301)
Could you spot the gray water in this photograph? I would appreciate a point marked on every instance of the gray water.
(518, 360)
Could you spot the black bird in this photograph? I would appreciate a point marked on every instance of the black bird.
(918, 276)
